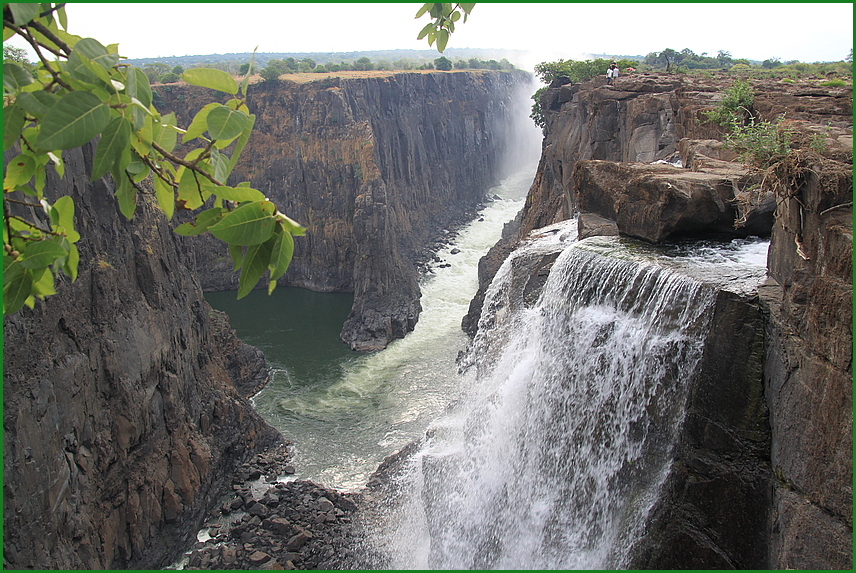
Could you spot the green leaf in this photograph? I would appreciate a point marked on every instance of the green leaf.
(422, 10)
(283, 250)
(237, 254)
(165, 197)
(126, 194)
(75, 119)
(246, 80)
(41, 254)
(93, 51)
(44, 286)
(18, 171)
(62, 218)
(468, 7)
(211, 78)
(22, 13)
(224, 123)
(203, 221)
(37, 103)
(13, 124)
(137, 86)
(15, 77)
(70, 266)
(77, 67)
(424, 32)
(249, 224)
(61, 17)
(164, 133)
(199, 124)
(17, 287)
(255, 264)
(242, 142)
(442, 40)
(193, 189)
(219, 163)
(291, 225)
(114, 139)
(239, 194)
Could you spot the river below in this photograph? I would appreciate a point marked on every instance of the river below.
(343, 411)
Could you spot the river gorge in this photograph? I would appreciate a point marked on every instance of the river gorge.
(496, 348)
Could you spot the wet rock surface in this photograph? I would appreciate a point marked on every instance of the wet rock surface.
(267, 523)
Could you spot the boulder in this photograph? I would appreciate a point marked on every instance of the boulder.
(591, 225)
(655, 202)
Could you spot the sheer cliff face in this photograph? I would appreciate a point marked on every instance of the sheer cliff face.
(122, 414)
(375, 168)
(809, 367)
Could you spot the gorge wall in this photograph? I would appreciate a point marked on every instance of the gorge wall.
(795, 470)
(125, 397)
(376, 168)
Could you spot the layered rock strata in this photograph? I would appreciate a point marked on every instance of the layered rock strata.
(375, 168)
(125, 398)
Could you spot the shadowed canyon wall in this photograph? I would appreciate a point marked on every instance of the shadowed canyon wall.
(125, 397)
(376, 168)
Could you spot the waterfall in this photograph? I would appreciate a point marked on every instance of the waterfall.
(554, 455)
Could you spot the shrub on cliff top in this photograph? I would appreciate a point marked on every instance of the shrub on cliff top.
(760, 143)
(735, 105)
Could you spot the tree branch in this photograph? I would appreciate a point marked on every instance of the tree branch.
(182, 162)
(50, 36)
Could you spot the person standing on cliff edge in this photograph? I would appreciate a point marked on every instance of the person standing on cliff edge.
(612, 73)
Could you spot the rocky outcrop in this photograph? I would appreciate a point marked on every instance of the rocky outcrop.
(655, 202)
(375, 168)
(643, 118)
(125, 398)
(809, 368)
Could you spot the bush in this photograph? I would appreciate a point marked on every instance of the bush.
(443, 63)
(270, 74)
(736, 105)
(835, 83)
(169, 78)
(760, 143)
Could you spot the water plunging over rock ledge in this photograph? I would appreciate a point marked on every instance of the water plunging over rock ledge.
(597, 421)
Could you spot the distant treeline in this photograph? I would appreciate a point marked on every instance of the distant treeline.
(395, 59)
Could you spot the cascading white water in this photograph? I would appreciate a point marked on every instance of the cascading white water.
(555, 454)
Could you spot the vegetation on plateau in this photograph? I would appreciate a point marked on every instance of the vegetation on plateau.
(669, 61)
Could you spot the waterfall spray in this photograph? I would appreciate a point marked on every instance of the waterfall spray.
(555, 455)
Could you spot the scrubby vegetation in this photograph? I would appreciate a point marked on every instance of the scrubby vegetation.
(738, 99)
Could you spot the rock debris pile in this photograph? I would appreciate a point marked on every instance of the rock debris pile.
(270, 524)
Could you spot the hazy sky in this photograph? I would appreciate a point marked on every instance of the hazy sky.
(806, 32)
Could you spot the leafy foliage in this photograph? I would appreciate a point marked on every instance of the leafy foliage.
(760, 143)
(736, 105)
(443, 63)
(82, 90)
(443, 23)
